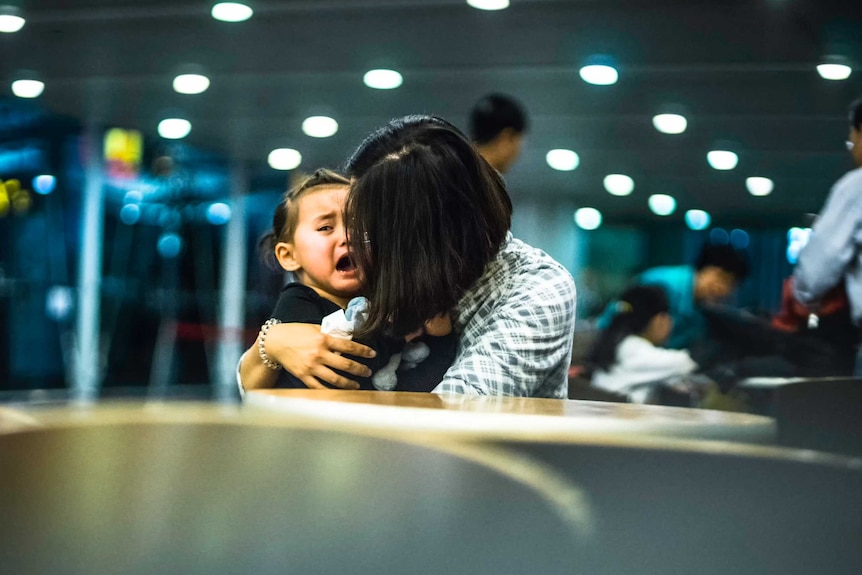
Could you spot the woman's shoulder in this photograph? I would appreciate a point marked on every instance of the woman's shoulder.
(531, 265)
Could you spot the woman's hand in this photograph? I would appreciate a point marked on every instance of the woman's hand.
(308, 354)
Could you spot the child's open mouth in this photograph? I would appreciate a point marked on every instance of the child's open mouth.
(345, 264)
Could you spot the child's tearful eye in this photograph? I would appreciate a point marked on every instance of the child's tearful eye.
(344, 264)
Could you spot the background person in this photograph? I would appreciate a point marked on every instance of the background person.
(627, 356)
(833, 254)
(497, 127)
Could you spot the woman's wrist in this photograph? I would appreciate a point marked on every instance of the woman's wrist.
(261, 344)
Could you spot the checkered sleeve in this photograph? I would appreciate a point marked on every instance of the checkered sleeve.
(519, 347)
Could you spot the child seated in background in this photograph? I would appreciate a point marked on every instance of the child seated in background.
(309, 240)
(627, 357)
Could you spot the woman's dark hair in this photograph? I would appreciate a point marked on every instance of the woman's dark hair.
(425, 215)
(286, 215)
(634, 310)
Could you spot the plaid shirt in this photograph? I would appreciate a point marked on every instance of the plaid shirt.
(515, 328)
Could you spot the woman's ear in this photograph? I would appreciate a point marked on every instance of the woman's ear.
(284, 253)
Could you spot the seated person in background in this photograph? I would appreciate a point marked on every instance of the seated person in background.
(715, 274)
(309, 240)
(626, 356)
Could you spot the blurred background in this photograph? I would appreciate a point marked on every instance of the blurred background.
(144, 145)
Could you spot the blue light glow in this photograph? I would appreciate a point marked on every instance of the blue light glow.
(739, 239)
(44, 184)
(719, 236)
(130, 214)
(170, 245)
(218, 214)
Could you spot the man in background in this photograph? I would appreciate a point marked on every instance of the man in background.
(833, 255)
(497, 127)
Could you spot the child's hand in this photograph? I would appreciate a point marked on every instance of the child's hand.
(439, 325)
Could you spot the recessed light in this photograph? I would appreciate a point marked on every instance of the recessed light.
(588, 218)
(722, 159)
(697, 219)
(174, 128)
(758, 186)
(563, 160)
(599, 74)
(662, 204)
(27, 88)
(834, 71)
(489, 4)
(670, 123)
(382, 79)
(191, 83)
(232, 12)
(619, 184)
(284, 159)
(10, 19)
(319, 126)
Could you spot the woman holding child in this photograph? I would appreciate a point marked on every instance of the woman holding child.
(427, 224)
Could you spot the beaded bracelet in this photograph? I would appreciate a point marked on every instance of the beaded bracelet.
(261, 346)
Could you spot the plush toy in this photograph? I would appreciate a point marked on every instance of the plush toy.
(343, 323)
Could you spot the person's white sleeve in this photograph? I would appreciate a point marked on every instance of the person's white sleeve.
(657, 360)
(832, 246)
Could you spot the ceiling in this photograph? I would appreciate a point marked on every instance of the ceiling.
(743, 71)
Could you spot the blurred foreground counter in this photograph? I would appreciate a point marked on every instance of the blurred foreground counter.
(194, 488)
(510, 418)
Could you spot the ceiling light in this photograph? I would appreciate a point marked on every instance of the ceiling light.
(619, 184)
(563, 160)
(834, 71)
(758, 186)
(191, 83)
(319, 126)
(670, 123)
(722, 159)
(588, 218)
(27, 88)
(231, 12)
(10, 19)
(382, 79)
(662, 204)
(697, 219)
(284, 159)
(489, 4)
(599, 74)
(174, 128)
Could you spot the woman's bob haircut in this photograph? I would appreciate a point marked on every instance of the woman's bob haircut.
(425, 215)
